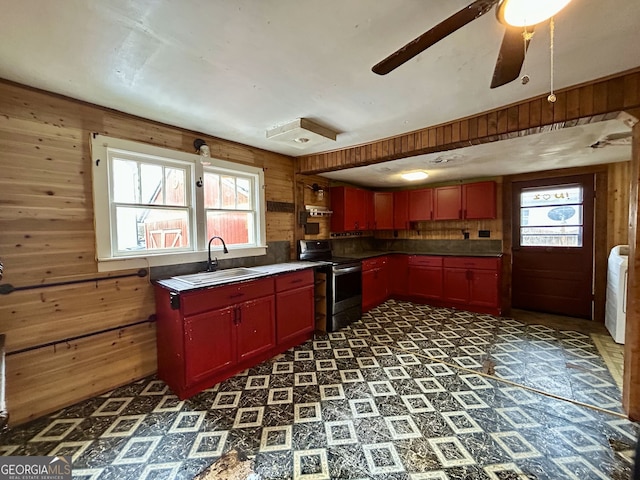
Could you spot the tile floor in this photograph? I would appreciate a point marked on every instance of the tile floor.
(401, 394)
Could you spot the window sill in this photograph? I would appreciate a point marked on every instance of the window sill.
(116, 264)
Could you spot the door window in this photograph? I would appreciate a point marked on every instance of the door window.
(552, 216)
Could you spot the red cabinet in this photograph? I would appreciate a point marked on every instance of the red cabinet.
(447, 203)
(209, 343)
(383, 205)
(374, 282)
(401, 210)
(473, 282)
(397, 275)
(348, 208)
(369, 210)
(470, 201)
(479, 200)
(425, 277)
(420, 205)
(205, 336)
(294, 308)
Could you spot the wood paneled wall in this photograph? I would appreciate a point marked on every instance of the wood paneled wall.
(69, 342)
(599, 100)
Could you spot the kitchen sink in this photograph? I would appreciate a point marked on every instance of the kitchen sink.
(204, 278)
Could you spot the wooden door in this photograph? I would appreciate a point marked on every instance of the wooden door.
(553, 245)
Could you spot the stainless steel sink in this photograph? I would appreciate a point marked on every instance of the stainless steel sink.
(204, 278)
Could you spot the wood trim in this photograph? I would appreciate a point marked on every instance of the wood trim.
(597, 101)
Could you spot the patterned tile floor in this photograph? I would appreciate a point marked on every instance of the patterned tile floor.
(399, 395)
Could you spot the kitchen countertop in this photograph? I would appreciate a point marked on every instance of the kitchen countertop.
(174, 284)
(375, 253)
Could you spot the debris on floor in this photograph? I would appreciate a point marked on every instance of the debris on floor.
(233, 465)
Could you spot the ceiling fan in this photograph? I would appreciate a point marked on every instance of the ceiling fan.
(520, 17)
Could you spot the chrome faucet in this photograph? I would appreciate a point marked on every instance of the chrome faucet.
(213, 264)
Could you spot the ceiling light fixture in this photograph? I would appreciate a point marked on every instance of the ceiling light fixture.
(523, 13)
(413, 176)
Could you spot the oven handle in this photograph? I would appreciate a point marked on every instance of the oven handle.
(343, 270)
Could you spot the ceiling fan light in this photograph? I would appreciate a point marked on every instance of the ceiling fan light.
(521, 13)
(413, 176)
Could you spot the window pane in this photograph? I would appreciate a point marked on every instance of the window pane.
(151, 184)
(560, 195)
(174, 187)
(236, 228)
(125, 181)
(151, 229)
(569, 236)
(243, 195)
(548, 216)
(211, 190)
(228, 192)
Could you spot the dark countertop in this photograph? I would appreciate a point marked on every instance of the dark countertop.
(375, 253)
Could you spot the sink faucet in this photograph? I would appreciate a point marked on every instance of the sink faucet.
(212, 265)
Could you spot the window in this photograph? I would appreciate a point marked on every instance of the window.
(551, 216)
(150, 210)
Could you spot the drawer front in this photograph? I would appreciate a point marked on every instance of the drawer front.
(425, 261)
(472, 262)
(223, 296)
(288, 281)
(371, 263)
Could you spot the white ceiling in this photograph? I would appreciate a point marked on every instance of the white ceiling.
(237, 68)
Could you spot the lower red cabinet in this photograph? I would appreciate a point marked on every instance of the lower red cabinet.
(374, 282)
(294, 307)
(208, 335)
(425, 277)
(209, 343)
(474, 282)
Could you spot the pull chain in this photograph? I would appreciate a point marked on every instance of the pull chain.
(526, 37)
(552, 96)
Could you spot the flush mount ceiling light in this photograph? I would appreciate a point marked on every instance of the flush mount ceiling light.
(301, 133)
(525, 13)
(413, 176)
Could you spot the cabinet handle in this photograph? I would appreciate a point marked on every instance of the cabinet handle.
(239, 310)
(298, 280)
(237, 295)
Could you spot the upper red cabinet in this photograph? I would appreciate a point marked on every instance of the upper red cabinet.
(479, 200)
(383, 202)
(401, 210)
(470, 201)
(421, 205)
(349, 212)
(447, 203)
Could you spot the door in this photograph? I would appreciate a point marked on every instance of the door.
(553, 245)
(209, 343)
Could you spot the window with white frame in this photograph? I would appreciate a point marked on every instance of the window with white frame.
(155, 206)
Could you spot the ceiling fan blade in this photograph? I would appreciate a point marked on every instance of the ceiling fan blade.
(511, 56)
(437, 33)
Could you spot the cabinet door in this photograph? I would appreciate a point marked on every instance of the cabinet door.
(401, 210)
(447, 203)
(383, 202)
(456, 285)
(397, 275)
(368, 289)
(421, 205)
(479, 200)
(210, 343)
(382, 282)
(255, 327)
(369, 210)
(294, 313)
(425, 282)
(483, 288)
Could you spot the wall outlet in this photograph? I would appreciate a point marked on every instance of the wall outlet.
(484, 233)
